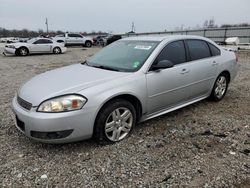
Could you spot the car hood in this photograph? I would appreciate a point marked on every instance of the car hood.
(66, 80)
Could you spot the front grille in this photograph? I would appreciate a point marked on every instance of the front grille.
(26, 105)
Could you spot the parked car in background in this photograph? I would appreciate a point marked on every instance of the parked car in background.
(74, 39)
(99, 40)
(129, 81)
(243, 46)
(12, 40)
(113, 38)
(23, 39)
(9, 39)
(35, 46)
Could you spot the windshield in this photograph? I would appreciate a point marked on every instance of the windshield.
(124, 56)
(31, 40)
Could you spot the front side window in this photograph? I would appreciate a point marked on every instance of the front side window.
(79, 36)
(71, 35)
(40, 41)
(43, 41)
(198, 49)
(46, 41)
(174, 52)
(124, 56)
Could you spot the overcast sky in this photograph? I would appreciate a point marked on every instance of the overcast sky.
(118, 15)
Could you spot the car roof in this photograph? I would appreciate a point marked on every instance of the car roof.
(165, 37)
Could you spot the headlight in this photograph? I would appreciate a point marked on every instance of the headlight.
(10, 46)
(62, 104)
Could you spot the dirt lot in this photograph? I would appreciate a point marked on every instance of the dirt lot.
(204, 145)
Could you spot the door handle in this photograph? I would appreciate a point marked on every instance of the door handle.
(185, 71)
(214, 63)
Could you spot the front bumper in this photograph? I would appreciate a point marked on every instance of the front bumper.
(79, 124)
(9, 50)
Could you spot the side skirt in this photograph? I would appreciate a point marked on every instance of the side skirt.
(164, 111)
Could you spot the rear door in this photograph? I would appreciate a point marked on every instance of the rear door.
(203, 67)
(78, 39)
(169, 87)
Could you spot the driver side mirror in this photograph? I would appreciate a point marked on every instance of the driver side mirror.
(164, 64)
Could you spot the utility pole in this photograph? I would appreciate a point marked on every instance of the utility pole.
(133, 27)
(47, 25)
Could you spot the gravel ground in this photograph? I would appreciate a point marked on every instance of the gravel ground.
(203, 145)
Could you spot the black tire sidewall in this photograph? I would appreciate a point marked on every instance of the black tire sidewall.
(213, 95)
(99, 130)
(88, 44)
(60, 51)
(27, 52)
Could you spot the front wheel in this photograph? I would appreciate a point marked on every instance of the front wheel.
(115, 121)
(220, 87)
(23, 51)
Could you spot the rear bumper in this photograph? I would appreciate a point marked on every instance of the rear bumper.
(69, 126)
(63, 49)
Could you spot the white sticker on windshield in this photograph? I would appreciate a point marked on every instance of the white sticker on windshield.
(140, 47)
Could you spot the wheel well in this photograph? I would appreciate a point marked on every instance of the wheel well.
(56, 47)
(227, 74)
(132, 99)
(23, 47)
(88, 41)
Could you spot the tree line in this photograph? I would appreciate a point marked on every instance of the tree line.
(25, 33)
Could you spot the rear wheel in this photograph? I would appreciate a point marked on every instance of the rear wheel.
(220, 87)
(57, 50)
(115, 121)
(88, 44)
(23, 51)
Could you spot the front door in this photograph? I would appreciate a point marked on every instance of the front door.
(169, 87)
(42, 46)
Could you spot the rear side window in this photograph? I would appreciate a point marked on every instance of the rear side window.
(174, 52)
(214, 50)
(198, 49)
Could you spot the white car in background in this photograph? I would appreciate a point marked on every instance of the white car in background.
(74, 39)
(35, 46)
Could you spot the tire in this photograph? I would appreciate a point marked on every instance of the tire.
(114, 122)
(23, 51)
(220, 87)
(88, 44)
(57, 50)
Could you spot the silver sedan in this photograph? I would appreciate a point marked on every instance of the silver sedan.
(129, 81)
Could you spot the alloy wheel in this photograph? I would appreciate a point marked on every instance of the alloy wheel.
(23, 52)
(221, 86)
(118, 124)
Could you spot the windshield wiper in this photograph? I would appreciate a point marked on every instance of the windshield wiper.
(105, 67)
(85, 63)
(100, 66)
